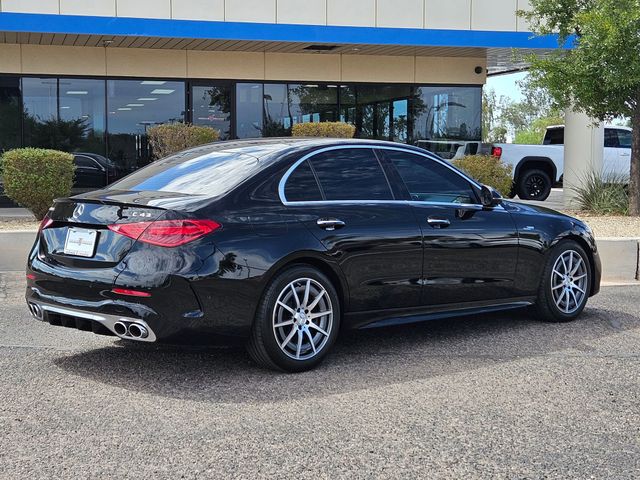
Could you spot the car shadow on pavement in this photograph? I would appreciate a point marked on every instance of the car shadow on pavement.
(360, 360)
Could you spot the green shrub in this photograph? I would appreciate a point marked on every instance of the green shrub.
(324, 129)
(603, 194)
(172, 138)
(34, 177)
(488, 170)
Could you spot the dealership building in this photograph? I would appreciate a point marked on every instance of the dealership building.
(93, 76)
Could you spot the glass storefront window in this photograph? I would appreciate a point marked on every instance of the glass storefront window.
(211, 107)
(64, 114)
(9, 113)
(133, 107)
(249, 110)
(447, 113)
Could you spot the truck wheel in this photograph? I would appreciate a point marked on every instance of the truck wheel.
(534, 185)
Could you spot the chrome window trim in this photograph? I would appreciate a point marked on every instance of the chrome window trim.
(291, 169)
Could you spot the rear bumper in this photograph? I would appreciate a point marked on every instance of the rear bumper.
(100, 323)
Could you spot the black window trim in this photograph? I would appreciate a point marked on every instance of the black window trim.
(291, 169)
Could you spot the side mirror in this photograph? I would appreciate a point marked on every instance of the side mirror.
(489, 197)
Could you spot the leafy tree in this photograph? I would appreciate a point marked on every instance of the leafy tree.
(600, 76)
(534, 134)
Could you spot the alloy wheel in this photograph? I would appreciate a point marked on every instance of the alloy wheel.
(535, 185)
(302, 319)
(569, 279)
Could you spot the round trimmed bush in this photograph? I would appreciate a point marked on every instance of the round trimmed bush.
(172, 138)
(488, 170)
(34, 177)
(324, 129)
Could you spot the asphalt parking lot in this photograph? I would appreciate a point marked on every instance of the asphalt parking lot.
(499, 396)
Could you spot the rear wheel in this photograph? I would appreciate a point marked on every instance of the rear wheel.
(297, 321)
(564, 289)
(534, 185)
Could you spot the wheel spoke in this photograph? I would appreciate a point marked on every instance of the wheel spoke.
(288, 339)
(313, 304)
(557, 287)
(575, 299)
(579, 289)
(283, 324)
(299, 349)
(307, 289)
(580, 277)
(313, 345)
(558, 273)
(316, 327)
(286, 307)
(295, 294)
(313, 316)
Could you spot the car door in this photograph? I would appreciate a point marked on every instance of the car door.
(343, 197)
(470, 251)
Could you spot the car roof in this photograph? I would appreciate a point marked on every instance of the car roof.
(261, 148)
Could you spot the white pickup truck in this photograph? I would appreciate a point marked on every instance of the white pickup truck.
(537, 168)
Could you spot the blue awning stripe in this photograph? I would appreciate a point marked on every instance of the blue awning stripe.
(267, 32)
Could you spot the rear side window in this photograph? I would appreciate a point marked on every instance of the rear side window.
(194, 172)
(302, 185)
(429, 181)
(554, 136)
(351, 174)
(610, 138)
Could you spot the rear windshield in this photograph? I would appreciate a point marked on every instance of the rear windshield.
(193, 172)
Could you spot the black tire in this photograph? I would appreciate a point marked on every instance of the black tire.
(545, 307)
(263, 346)
(534, 185)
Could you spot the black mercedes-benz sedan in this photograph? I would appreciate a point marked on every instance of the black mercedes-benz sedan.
(285, 242)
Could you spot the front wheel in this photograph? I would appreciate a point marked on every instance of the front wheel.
(534, 185)
(565, 285)
(297, 321)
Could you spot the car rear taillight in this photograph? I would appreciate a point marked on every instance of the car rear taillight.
(496, 152)
(166, 233)
(45, 223)
(130, 293)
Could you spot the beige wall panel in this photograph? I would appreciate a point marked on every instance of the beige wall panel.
(60, 60)
(351, 12)
(146, 62)
(400, 13)
(378, 68)
(450, 70)
(523, 25)
(309, 12)
(493, 15)
(250, 11)
(30, 6)
(233, 65)
(144, 8)
(104, 8)
(449, 14)
(198, 10)
(303, 67)
(10, 58)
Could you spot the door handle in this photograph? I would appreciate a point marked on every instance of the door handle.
(436, 222)
(330, 224)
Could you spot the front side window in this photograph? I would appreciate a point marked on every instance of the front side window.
(624, 138)
(429, 181)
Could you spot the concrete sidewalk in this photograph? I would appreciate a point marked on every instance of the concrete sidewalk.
(12, 213)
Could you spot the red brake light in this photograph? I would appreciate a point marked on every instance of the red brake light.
(496, 152)
(130, 293)
(166, 233)
(45, 223)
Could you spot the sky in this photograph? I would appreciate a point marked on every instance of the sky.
(505, 85)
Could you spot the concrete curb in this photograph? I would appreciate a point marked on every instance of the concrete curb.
(620, 256)
(620, 259)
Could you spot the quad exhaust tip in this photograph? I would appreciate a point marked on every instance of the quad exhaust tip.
(130, 330)
(36, 311)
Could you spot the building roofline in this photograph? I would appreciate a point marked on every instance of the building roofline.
(271, 32)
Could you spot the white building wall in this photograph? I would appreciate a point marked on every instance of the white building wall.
(433, 14)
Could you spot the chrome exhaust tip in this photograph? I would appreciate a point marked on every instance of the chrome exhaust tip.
(36, 311)
(120, 329)
(138, 331)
